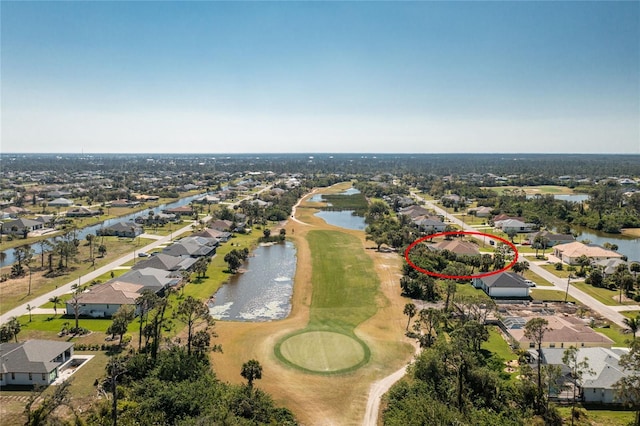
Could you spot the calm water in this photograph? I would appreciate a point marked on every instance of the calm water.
(82, 233)
(343, 219)
(576, 198)
(263, 292)
(627, 246)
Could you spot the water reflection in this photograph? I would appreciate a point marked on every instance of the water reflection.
(343, 219)
(264, 291)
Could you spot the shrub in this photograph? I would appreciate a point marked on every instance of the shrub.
(558, 266)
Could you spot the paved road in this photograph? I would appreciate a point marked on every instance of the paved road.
(609, 312)
(41, 300)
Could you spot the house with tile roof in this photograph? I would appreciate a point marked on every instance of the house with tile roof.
(34, 362)
(457, 246)
(562, 332)
(104, 300)
(570, 252)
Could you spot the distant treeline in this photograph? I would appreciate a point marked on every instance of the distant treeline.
(400, 164)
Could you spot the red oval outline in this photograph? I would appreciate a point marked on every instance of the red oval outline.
(460, 277)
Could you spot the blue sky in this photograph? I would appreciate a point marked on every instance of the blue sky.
(320, 77)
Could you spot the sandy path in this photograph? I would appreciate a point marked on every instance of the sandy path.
(319, 399)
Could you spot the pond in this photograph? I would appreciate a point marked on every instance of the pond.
(628, 246)
(263, 292)
(576, 198)
(343, 219)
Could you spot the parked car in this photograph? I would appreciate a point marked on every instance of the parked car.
(530, 283)
(143, 254)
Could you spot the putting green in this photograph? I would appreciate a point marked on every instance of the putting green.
(322, 351)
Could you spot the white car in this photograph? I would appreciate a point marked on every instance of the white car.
(530, 283)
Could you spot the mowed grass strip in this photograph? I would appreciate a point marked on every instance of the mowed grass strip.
(344, 289)
(344, 282)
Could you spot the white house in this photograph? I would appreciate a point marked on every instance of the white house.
(34, 362)
(505, 284)
(516, 225)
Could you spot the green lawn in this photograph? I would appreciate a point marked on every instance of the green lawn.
(466, 289)
(550, 296)
(597, 417)
(615, 333)
(537, 279)
(344, 291)
(603, 295)
(497, 345)
(630, 314)
(561, 274)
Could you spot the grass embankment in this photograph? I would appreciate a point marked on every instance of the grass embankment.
(344, 291)
(13, 292)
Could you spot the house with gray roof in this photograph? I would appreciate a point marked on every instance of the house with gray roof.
(152, 279)
(504, 284)
(597, 385)
(34, 362)
(192, 246)
(20, 226)
(60, 202)
(167, 263)
(121, 229)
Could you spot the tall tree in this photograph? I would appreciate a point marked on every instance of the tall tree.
(410, 311)
(193, 312)
(56, 301)
(578, 368)
(535, 330)
(116, 367)
(632, 325)
(145, 303)
(627, 389)
(121, 320)
(251, 370)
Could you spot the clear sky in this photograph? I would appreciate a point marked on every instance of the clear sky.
(238, 77)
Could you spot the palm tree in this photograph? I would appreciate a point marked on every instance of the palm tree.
(410, 311)
(632, 325)
(251, 370)
(583, 261)
(30, 308)
(55, 300)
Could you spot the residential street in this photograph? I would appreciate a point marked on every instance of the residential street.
(41, 300)
(609, 312)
